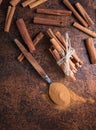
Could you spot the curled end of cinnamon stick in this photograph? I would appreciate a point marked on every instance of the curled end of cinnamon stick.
(0, 1)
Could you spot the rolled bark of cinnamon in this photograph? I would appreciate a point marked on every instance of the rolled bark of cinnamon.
(38, 38)
(0, 1)
(91, 50)
(50, 21)
(14, 2)
(54, 12)
(35, 41)
(8, 12)
(84, 14)
(85, 30)
(35, 4)
(68, 4)
(25, 34)
(27, 2)
(20, 57)
(57, 46)
(9, 19)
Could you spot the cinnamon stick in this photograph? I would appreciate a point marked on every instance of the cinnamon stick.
(84, 14)
(68, 4)
(57, 46)
(35, 41)
(14, 2)
(25, 34)
(37, 3)
(9, 19)
(85, 30)
(91, 50)
(38, 38)
(49, 21)
(20, 57)
(54, 12)
(0, 1)
(8, 12)
(27, 2)
(63, 41)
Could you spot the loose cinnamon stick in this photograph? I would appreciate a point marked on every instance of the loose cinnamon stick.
(38, 38)
(35, 41)
(8, 12)
(32, 61)
(91, 50)
(54, 12)
(63, 41)
(27, 2)
(9, 19)
(35, 4)
(57, 57)
(84, 14)
(85, 30)
(14, 2)
(20, 57)
(0, 1)
(25, 34)
(68, 4)
(49, 21)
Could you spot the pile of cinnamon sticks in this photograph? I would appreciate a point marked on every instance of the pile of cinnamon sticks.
(55, 18)
(33, 3)
(86, 21)
(52, 17)
(10, 14)
(58, 47)
(82, 16)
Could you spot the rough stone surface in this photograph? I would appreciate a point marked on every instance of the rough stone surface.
(23, 105)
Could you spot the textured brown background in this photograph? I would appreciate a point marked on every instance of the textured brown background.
(23, 102)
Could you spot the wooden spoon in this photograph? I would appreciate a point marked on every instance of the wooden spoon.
(57, 91)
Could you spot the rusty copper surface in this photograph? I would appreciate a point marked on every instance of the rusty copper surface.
(23, 93)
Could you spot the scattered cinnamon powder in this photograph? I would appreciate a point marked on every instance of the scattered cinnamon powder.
(64, 98)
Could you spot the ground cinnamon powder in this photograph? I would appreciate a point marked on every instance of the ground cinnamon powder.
(59, 94)
(63, 97)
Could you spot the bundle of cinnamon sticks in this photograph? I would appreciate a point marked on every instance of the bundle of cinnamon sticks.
(58, 47)
(10, 14)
